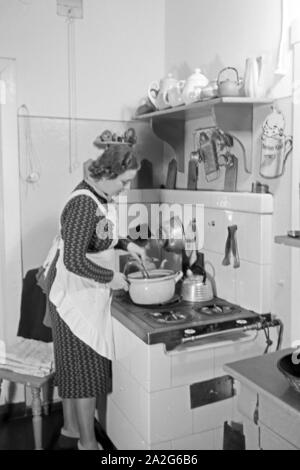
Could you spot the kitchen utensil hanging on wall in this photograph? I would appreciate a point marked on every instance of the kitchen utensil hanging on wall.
(32, 172)
(193, 171)
(231, 174)
(206, 144)
(74, 163)
(275, 145)
(213, 148)
(172, 174)
(231, 248)
(145, 175)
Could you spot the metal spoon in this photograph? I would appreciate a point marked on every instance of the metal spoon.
(145, 272)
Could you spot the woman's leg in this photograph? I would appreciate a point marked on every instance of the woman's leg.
(71, 427)
(85, 411)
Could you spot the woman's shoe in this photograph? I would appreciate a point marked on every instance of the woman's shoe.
(81, 447)
(67, 440)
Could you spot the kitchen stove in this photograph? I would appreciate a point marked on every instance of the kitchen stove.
(180, 321)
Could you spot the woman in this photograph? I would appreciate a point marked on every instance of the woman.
(81, 274)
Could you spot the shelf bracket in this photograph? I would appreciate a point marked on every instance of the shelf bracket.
(171, 131)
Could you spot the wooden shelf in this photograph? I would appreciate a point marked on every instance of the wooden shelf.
(102, 144)
(169, 124)
(288, 241)
(200, 108)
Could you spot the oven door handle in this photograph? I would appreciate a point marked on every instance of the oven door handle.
(193, 346)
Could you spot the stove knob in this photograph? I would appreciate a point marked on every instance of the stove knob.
(189, 332)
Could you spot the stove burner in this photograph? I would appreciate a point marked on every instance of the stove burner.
(217, 309)
(174, 301)
(169, 316)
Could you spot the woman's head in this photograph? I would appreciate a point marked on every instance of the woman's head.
(113, 171)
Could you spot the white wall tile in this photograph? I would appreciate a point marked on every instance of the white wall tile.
(271, 441)
(132, 399)
(212, 416)
(251, 432)
(163, 446)
(219, 438)
(152, 367)
(253, 234)
(191, 367)
(202, 441)
(171, 417)
(121, 432)
(249, 345)
(253, 287)
(247, 400)
(223, 276)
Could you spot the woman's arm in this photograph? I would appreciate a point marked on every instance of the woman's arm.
(78, 225)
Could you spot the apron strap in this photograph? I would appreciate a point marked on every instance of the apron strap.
(86, 192)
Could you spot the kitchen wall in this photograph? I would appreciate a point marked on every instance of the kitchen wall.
(119, 50)
(213, 34)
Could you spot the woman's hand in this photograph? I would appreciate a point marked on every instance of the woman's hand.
(118, 282)
(138, 252)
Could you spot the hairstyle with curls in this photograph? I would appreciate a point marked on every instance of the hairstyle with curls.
(114, 162)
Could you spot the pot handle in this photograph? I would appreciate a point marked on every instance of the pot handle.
(178, 276)
(228, 68)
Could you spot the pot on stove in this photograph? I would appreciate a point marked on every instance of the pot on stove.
(159, 288)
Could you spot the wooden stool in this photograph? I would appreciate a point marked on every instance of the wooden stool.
(35, 383)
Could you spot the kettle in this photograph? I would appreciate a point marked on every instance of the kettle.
(197, 288)
(230, 87)
(157, 92)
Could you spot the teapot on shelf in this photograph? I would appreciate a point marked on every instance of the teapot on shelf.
(193, 87)
(230, 87)
(157, 92)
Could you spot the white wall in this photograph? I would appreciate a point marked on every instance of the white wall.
(119, 50)
(213, 34)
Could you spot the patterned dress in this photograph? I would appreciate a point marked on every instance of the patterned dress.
(80, 371)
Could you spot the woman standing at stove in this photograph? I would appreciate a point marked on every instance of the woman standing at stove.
(81, 274)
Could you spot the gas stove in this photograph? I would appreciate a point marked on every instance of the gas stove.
(179, 322)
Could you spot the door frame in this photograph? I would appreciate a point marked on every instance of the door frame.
(10, 228)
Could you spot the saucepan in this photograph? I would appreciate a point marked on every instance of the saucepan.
(158, 288)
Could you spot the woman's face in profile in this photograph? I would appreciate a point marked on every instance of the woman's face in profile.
(118, 185)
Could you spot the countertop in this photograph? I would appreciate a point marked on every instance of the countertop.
(261, 374)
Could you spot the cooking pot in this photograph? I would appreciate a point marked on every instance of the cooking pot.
(159, 288)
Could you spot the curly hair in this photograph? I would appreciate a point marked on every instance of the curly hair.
(114, 162)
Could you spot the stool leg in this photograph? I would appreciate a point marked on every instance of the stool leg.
(37, 417)
(1, 380)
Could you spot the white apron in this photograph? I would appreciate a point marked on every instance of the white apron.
(84, 304)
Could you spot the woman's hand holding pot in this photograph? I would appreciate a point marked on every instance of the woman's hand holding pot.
(118, 282)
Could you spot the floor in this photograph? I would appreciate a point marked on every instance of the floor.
(17, 434)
